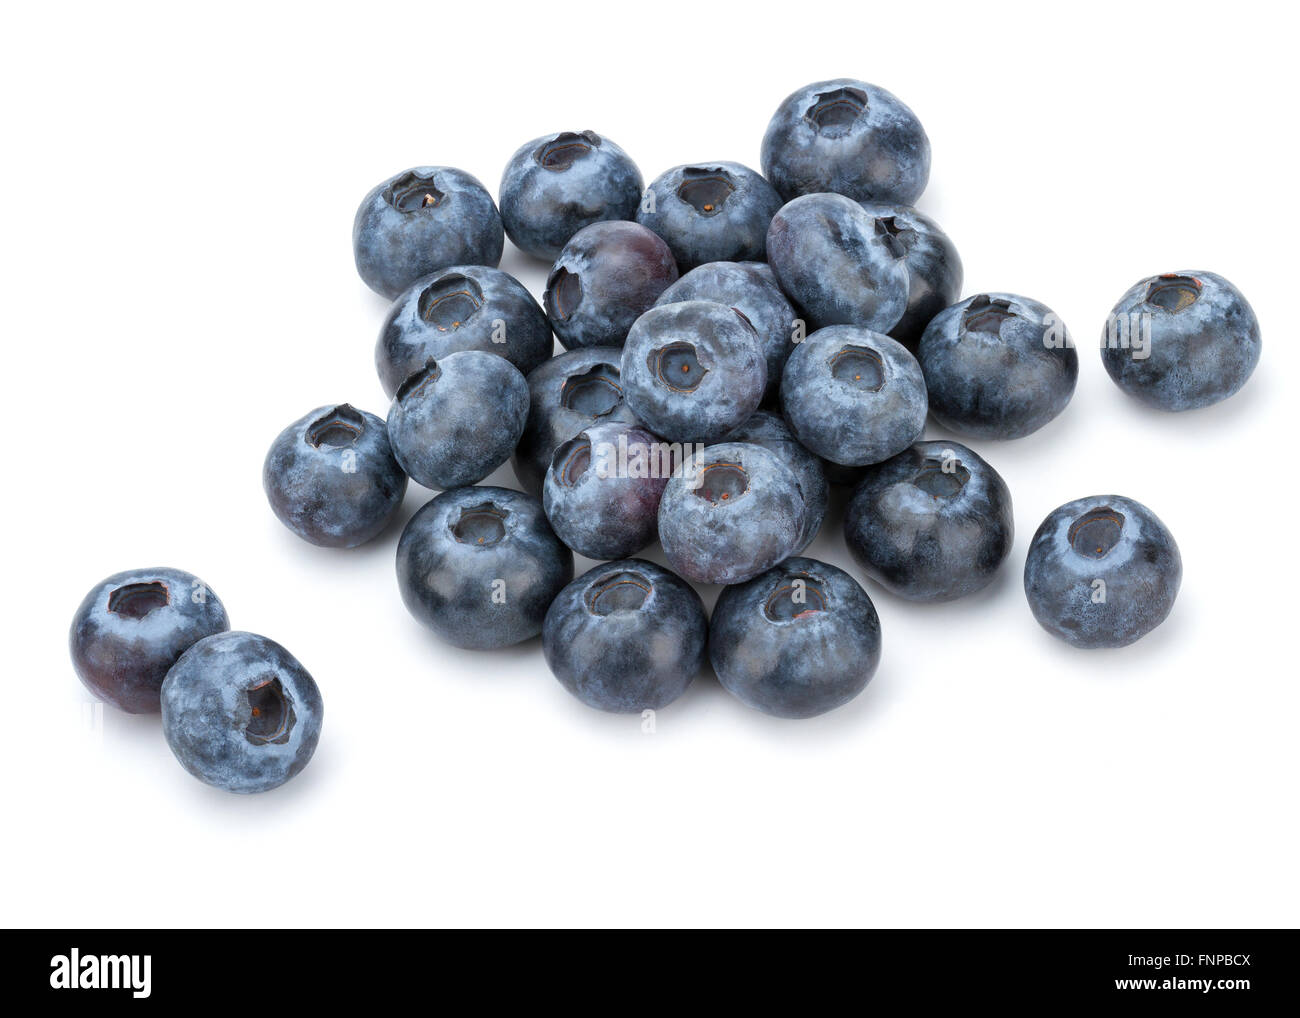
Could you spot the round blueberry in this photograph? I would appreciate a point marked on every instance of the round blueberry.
(1102, 572)
(771, 432)
(853, 396)
(331, 477)
(566, 394)
(480, 566)
(626, 637)
(933, 266)
(557, 184)
(1181, 341)
(133, 626)
(933, 523)
(710, 212)
(421, 221)
(797, 641)
(606, 276)
(848, 137)
(837, 264)
(733, 511)
(693, 371)
(240, 713)
(752, 289)
(465, 307)
(457, 419)
(603, 488)
(997, 366)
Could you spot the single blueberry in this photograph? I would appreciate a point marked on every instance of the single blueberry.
(480, 566)
(693, 371)
(458, 418)
(733, 511)
(933, 266)
(423, 220)
(566, 394)
(465, 307)
(997, 366)
(829, 256)
(603, 488)
(848, 137)
(557, 184)
(1181, 341)
(606, 276)
(133, 626)
(797, 641)
(853, 396)
(771, 432)
(933, 523)
(626, 637)
(752, 289)
(1102, 572)
(331, 477)
(240, 713)
(710, 212)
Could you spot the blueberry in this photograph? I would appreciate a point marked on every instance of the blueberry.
(693, 371)
(853, 396)
(480, 566)
(555, 185)
(240, 713)
(710, 212)
(732, 512)
(797, 641)
(607, 274)
(933, 266)
(848, 137)
(603, 488)
(421, 221)
(626, 637)
(1181, 341)
(837, 264)
(752, 289)
(771, 432)
(1102, 572)
(465, 307)
(566, 394)
(133, 626)
(331, 477)
(931, 524)
(458, 418)
(997, 366)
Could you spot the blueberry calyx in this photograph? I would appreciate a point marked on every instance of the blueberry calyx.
(795, 596)
(450, 302)
(270, 713)
(595, 393)
(722, 483)
(483, 524)
(136, 600)
(859, 366)
(619, 592)
(705, 189)
(417, 380)
(678, 366)
(898, 240)
(1173, 293)
(941, 478)
(563, 293)
(565, 149)
(833, 112)
(411, 192)
(1096, 532)
(574, 457)
(987, 314)
(338, 429)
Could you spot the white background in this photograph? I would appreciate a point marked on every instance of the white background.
(179, 186)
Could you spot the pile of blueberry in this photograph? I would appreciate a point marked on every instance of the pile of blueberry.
(735, 343)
